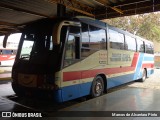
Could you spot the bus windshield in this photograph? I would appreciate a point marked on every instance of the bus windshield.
(37, 52)
(36, 48)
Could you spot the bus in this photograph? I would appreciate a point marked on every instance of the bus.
(7, 56)
(157, 60)
(67, 59)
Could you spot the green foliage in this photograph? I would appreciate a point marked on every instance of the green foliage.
(146, 25)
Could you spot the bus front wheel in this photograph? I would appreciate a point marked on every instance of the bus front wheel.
(97, 88)
(16, 89)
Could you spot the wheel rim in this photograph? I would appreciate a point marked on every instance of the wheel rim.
(98, 87)
(144, 75)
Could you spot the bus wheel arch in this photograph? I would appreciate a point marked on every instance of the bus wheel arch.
(98, 86)
(144, 75)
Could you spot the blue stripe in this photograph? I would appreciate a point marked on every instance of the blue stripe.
(75, 91)
(149, 58)
(70, 92)
(115, 81)
(137, 74)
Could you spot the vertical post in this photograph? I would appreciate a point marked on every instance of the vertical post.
(61, 10)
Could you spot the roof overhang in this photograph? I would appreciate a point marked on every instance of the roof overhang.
(14, 14)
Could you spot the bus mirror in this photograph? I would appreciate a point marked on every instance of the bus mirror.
(5, 40)
(57, 30)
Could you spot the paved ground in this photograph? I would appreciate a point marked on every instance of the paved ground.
(5, 73)
(4, 69)
(153, 82)
(138, 99)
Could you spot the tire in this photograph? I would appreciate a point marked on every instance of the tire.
(17, 90)
(97, 88)
(144, 76)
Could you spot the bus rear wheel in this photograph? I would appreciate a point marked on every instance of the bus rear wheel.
(144, 76)
(97, 88)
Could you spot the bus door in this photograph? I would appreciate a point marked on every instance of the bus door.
(71, 75)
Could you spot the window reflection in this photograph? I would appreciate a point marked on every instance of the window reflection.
(116, 40)
(93, 39)
(130, 43)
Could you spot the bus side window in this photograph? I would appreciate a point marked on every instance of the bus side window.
(97, 38)
(130, 43)
(1, 52)
(140, 46)
(116, 40)
(93, 39)
(149, 48)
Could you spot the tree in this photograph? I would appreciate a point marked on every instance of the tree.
(144, 25)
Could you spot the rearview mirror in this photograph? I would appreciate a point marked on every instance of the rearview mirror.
(29, 37)
(5, 40)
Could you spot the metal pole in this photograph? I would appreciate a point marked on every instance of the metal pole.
(61, 10)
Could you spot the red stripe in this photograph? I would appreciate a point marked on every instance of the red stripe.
(6, 57)
(68, 76)
(135, 59)
(75, 75)
(148, 65)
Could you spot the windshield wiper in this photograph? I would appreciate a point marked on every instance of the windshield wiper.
(24, 56)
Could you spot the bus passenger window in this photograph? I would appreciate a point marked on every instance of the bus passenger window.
(140, 46)
(130, 43)
(97, 38)
(116, 40)
(149, 48)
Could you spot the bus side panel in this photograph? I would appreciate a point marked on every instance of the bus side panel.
(70, 92)
(75, 91)
(77, 78)
(115, 81)
(148, 64)
(85, 88)
(138, 72)
(145, 61)
(58, 96)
